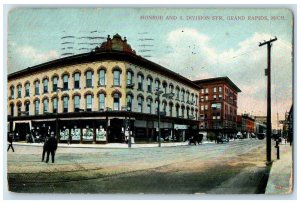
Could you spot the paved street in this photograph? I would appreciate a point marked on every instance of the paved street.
(237, 167)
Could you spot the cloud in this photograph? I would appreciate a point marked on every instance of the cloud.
(26, 56)
(192, 55)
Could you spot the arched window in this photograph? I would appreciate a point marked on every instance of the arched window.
(102, 73)
(182, 95)
(101, 101)
(89, 102)
(149, 105)
(188, 97)
(55, 82)
(171, 87)
(164, 107)
(27, 89)
(170, 109)
(19, 108)
(19, 91)
(12, 109)
(188, 112)
(196, 100)
(65, 104)
(45, 82)
(157, 85)
(156, 106)
(55, 105)
(66, 81)
(177, 111)
(177, 93)
(182, 111)
(27, 107)
(37, 87)
(76, 103)
(12, 92)
(129, 77)
(89, 79)
(140, 104)
(165, 86)
(46, 105)
(116, 101)
(149, 87)
(36, 107)
(117, 75)
(77, 80)
(140, 82)
(129, 102)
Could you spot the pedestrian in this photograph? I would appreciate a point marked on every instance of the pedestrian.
(51, 148)
(10, 140)
(45, 148)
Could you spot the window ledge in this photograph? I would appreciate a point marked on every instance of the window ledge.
(90, 87)
(102, 86)
(116, 86)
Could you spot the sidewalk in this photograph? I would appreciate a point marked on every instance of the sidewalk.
(280, 180)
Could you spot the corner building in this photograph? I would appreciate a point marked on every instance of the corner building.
(102, 96)
(218, 106)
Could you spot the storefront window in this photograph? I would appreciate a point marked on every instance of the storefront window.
(100, 134)
(75, 134)
(87, 134)
(64, 134)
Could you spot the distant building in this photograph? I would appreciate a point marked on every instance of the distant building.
(245, 124)
(288, 125)
(260, 124)
(218, 105)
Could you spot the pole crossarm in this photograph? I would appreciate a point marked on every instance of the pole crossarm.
(267, 42)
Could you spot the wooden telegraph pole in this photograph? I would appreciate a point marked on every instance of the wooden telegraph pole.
(268, 73)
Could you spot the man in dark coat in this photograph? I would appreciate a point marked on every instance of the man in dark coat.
(10, 140)
(51, 148)
(45, 148)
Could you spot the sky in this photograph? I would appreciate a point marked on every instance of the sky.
(196, 43)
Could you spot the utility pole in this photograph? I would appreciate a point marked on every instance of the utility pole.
(268, 73)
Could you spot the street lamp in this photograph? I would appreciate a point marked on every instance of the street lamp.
(158, 93)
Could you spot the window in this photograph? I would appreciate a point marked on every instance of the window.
(157, 85)
(66, 82)
(206, 107)
(171, 87)
(165, 85)
(116, 101)
(140, 104)
(188, 97)
(76, 103)
(54, 105)
(220, 96)
(76, 81)
(220, 89)
(129, 77)
(149, 89)
(206, 98)
(65, 104)
(206, 90)
(19, 109)
(116, 78)
(101, 101)
(89, 79)
(188, 113)
(215, 97)
(19, 91)
(182, 112)
(170, 110)
(215, 89)
(182, 95)
(12, 92)
(177, 111)
(27, 89)
(149, 105)
(129, 102)
(202, 108)
(216, 106)
(27, 108)
(177, 93)
(11, 109)
(202, 98)
(46, 105)
(89, 102)
(197, 100)
(192, 99)
(55, 81)
(102, 77)
(36, 107)
(164, 108)
(45, 85)
(37, 88)
(156, 107)
(140, 82)
(202, 91)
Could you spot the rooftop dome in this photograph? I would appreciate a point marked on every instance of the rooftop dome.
(116, 43)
